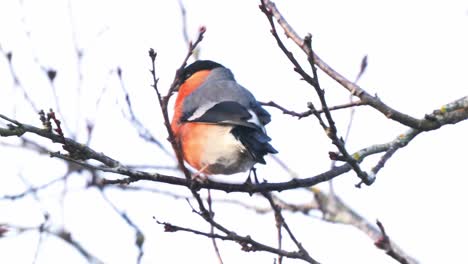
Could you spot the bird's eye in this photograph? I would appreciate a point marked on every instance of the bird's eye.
(187, 75)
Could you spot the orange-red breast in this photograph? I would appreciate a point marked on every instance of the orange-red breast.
(217, 122)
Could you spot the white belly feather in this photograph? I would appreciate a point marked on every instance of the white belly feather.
(223, 153)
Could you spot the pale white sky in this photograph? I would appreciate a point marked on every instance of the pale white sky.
(417, 62)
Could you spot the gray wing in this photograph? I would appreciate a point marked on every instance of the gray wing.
(227, 112)
(221, 87)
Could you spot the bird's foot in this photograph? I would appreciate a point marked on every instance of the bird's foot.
(199, 176)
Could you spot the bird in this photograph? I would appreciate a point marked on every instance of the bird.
(217, 123)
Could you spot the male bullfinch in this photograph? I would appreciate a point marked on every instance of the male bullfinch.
(217, 122)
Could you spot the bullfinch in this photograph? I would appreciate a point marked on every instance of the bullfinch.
(218, 124)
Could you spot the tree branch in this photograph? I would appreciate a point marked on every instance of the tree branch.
(313, 80)
(311, 111)
(248, 244)
(82, 153)
(375, 102)
(385, 244)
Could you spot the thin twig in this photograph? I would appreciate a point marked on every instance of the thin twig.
(282, 223)
(313, 80)
(144, 132)
(163, 101)
(248, 244)
(16, 80)
(385, 244)
(375, 102)
(16, 128)
(183, 13)
(139, 236)
(337, 211)
(212, 229)
(31, 190)
(310, 111)
(352, 112)
(67, 237)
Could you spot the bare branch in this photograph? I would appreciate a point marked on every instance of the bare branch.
(63, 234)
(144, 132)
(183, 13)
(247, 243)
(337, 211)
(9, 56)
(362, 69)
(458, 110)
(313, 80)
(114, 166)
(420, 124)
(163, 101)
(139, 236)
(212, 228)
(67, 237)
(31, 190)
(311, 111)
(282, 223)
(385, 244)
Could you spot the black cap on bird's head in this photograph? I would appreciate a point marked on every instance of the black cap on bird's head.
(197, 66)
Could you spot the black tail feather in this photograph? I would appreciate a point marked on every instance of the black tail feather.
(255, 141)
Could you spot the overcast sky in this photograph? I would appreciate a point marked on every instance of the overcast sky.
(418, 57)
